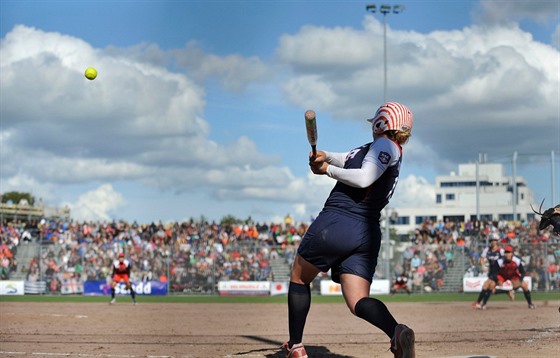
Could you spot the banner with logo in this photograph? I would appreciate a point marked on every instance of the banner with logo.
(246, 288)
(34, 287)
(378, 287)
(12, 288)
(474, 284)
(279, 288)
(148, 288)
(71, 286)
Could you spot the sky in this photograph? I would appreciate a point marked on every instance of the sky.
(197, 110)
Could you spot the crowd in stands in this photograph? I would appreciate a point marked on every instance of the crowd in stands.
(194, 256)
(191, 256)
(434, 246)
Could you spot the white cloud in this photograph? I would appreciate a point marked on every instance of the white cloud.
(97, 205)
(500, 11)
(413, 191)
(488, 88)
(478, 82)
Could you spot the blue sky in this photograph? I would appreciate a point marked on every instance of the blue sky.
(198, 106)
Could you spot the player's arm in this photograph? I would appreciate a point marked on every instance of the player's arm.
(382, 154)
(337, 159)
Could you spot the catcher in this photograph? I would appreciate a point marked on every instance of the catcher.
(551, 217)
(511, 268)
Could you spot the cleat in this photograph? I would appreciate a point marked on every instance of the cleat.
(532, 306)
(511, 295)
(297, 350)
(113, 301)
(134, 302)
(476, 305)
(402, 343)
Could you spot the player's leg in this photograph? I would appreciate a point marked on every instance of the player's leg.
(299, 297)
(129, 287)
(488, 292)
(356, 294)
(526, 292)
(132, 293)
(485, 286)
(113, 285)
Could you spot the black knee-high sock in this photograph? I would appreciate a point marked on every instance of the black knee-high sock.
(528, 296)
(299, 302)
(112, 292)
(132, 293)
(376, 313)
(486, 296)
(480, 296)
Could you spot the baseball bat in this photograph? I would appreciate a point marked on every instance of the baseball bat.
(311, 128)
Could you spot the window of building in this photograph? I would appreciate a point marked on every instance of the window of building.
(449, 196)
(506, 217)
(420, 219)
(454, 218)
(438, 198)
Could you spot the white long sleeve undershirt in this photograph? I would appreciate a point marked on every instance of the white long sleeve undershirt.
(372, 168)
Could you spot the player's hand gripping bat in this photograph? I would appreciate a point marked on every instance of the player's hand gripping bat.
(311, 128)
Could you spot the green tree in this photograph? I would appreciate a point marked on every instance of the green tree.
(229, 220)
(15, 197)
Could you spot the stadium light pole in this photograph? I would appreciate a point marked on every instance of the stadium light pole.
(385, 9)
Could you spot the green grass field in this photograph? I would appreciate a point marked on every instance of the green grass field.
(431, 297)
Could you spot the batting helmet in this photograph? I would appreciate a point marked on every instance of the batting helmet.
(392, 116)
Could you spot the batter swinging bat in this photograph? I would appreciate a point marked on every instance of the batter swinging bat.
(311, 127)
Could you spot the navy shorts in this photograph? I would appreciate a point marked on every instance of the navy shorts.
(343, 244)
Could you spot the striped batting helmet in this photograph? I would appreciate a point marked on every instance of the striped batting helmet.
(392, 116)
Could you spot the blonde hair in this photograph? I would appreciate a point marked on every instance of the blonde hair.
(401, 136)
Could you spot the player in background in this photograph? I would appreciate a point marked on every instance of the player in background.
(346, 236)
(489, 257)
(401, 283)
(511, 268)
(121, 273)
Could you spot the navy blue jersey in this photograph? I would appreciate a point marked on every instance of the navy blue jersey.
(365, 203)
(492, 256)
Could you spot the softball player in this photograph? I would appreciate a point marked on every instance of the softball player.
(121, 273)
(490, 255)
(511, 268)
(345, 237)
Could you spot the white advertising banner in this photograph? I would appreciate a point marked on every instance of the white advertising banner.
(474, 284)
(12, 288)
(248, 288)
(378, 287)
(279, 288)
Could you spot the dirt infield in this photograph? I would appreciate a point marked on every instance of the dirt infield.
(506, 329)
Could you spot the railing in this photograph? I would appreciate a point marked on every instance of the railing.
(20, 211)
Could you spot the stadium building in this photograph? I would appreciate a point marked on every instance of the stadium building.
(478, 190)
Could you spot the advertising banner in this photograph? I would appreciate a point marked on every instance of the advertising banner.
(34, 287)
(149, 288)
(247, 288)
(278, 288)
(12, 288)
(71, 286)
(378, 287)
(474, 284)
